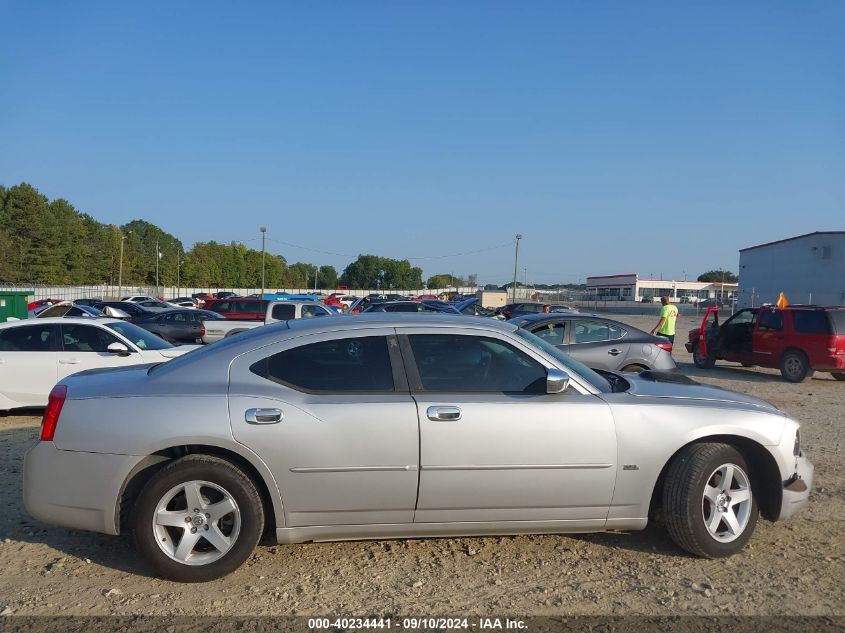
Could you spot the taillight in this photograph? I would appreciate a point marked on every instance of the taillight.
(55, 402)
(665, 345)
(202, 330)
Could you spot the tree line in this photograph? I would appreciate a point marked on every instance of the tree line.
(51, 242)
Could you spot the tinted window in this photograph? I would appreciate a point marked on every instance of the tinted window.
(742, 317)
(552, 333)
(403, 307)
(86, 338)
(54, 311)
(343, 365)
(31, 338)
(810, 322)
(284, 311)
(455, 363)
(595, 331)
(221, 306)
(176, 318)
(771, 320)
(837, 319)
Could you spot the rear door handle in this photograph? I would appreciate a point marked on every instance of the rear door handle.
(69, 361)
(263, 416)
(615, 352)
(444, 414)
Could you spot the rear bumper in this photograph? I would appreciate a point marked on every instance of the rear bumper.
(74, 489)
(796, 490)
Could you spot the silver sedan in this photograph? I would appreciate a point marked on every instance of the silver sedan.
(406, 425)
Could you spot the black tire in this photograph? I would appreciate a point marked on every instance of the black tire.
(840, 376)
(795, 366)
(701, 361)
(683, 502)
(203, 468)
(633, 369)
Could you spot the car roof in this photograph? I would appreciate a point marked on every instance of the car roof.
(540, 316)
(62, 320)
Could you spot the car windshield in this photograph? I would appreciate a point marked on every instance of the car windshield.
(567, 361)
(140, 337)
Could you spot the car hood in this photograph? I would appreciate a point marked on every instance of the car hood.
(674, 386)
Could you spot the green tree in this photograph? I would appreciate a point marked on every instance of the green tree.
(720, 275)
(445, 281)
(327, 278)
(491, 287)
(372, 271)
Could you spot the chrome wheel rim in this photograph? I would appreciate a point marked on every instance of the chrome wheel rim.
(726, 503)
(196, 522)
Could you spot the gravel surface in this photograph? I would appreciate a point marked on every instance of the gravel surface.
(795, 567)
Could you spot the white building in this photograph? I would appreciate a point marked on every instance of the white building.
(631, 287)
(807, 269)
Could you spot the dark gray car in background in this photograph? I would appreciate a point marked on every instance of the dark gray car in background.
(599, 342)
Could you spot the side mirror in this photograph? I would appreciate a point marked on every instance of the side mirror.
(119, 349)
(557, 380)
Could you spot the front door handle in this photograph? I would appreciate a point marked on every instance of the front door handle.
(615, 352)
(263, 416)
(444, 414)
(69, 361)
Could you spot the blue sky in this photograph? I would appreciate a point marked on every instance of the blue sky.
(650, 137)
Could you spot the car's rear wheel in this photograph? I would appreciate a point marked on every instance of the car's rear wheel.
(633, 369)
(708, 504)
(795, 366)
(197, 519)
(700, 360)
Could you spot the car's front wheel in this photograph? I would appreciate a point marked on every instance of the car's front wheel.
(700, 360)
(708, 504)
(197, 519)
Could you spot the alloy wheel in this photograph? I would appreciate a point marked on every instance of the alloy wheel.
(726, 503)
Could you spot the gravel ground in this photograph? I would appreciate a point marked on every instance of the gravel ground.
(790, 568)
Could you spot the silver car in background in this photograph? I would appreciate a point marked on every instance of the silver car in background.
(601, 343)
(401, 425)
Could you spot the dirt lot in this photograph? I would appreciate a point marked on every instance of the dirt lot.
(796, 567)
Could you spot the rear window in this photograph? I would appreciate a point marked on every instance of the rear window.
(811, 322)
(837, 320)
(283, 312)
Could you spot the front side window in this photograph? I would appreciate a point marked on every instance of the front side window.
(176, 318)
(552, 333)
(312, 311)
(141, 338)
(86, 338)
(346, 365)
(743, 317)
(473, 364)
(30, 338)
(595, 331)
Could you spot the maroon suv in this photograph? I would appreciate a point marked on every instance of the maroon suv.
(241, 309)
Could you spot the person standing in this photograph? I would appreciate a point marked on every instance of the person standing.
(666, 325)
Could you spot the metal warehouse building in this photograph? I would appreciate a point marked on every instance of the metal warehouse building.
(807, 269)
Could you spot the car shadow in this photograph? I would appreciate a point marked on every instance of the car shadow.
(729, 372)
(102, 549)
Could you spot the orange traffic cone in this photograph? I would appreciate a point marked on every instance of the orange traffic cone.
(782, 301)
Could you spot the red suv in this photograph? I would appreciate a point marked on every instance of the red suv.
(240, 309)
(799, 340)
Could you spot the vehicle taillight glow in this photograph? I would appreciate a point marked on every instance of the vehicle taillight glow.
(667, 346)
(55, 402)
(202, 330)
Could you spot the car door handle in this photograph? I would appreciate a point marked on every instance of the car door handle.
(69, 361)
(614, 352)
(444, 414)
(263, 416)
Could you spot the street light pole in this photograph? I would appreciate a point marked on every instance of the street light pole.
(263, 230)
(158, 256)
(120, 267)
(516, 265)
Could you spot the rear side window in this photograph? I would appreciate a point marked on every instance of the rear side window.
(772, 320)
(552, 333)
(221, 306)
(595, 331)
(32, 338)
(402, 307)
(810, 322)
(340, 366)
(283, 312)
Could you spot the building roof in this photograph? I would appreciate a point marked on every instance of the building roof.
(790, 239)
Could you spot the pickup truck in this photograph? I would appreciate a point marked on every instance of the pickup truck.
(798, 340)
(213, 331)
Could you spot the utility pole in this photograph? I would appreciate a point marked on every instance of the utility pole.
(120, 268)
(316, 275)
(178, 266)
(516, 265)
(263, 230)
(158, 257)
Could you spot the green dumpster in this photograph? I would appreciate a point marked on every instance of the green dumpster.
(13, 304)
